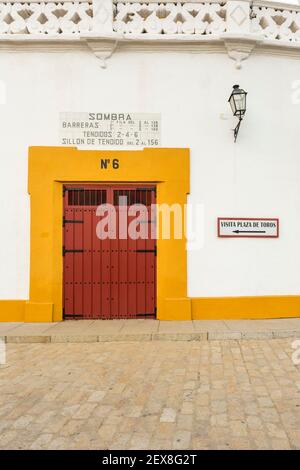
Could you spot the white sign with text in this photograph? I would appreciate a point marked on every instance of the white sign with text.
(248, 228)
(105, 130)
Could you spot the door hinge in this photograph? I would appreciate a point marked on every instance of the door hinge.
(73, 315)
(71, 221)
(147, 251)
(145, 314)
(64, 251)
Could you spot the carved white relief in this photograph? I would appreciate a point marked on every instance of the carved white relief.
(103, 50)
(238, 56)
(238, 15)
(45, 18)
(170, 18)
(276, 24)
(103, 16)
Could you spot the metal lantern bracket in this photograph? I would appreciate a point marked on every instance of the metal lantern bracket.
(237, 128)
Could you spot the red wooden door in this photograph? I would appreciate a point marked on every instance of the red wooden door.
(113, 277)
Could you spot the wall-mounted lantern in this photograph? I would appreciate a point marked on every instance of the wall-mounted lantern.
(237, 101)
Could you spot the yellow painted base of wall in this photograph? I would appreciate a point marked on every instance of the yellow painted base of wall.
(38, 312)
(12, 310)
(24, 311)
(236, 308)
(210, 308)
(176, 309)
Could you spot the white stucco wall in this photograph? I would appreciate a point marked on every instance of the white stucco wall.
(256, 177)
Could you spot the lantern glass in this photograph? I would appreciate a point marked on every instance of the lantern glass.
(237, 101)
(232, 104)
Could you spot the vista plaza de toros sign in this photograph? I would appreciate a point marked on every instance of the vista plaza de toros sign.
(245, 228)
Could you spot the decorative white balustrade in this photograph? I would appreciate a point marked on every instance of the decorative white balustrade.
(200, 18)
(45, 18)
(275, 23)
(170, 18)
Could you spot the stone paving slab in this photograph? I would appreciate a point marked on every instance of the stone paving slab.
(5, 326)
(177, 395)
(263, 325)
(91, 331)
(28, 339)
(210, 325)
(68, 327)
(29, 329)
(176, 327)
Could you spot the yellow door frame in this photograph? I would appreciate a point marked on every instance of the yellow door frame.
(50, 168)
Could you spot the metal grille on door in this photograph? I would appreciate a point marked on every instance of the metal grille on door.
(113, 277)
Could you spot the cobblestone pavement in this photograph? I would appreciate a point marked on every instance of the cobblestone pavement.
(161, 395)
